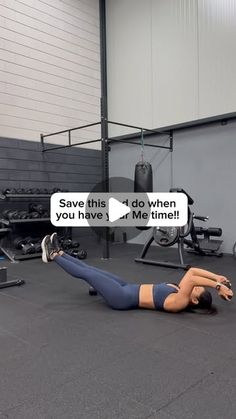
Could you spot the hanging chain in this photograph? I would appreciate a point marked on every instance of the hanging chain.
(142, 147)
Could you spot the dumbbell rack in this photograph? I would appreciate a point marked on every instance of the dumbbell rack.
(7, 227)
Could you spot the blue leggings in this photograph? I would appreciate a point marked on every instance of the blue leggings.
(117, 293)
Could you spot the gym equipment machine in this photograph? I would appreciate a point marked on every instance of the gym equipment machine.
(168, 236)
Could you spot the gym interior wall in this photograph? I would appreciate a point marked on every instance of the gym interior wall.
(49, 81)
(23, 165)
(170, 61)
(202, 162)
(50, 68)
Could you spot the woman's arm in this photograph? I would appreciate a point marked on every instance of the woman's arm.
(193, 278)
(208, 274)
(179, 301)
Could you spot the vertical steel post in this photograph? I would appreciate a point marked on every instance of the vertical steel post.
(171, 140)
(104, 115)
(171, 162)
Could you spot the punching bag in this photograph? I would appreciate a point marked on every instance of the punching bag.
(143, 180)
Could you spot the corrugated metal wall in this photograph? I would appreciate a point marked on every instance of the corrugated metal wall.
(170, 61)
(49, 67)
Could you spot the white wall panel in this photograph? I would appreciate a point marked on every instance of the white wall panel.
(129, 61)
(48, 53)
(45, 27)
(88, 10)
(48, 73)
(49, 67)
(174, 63)
(45, 15)
(43, 41)
(180, 55)
(217, 57)
(20, 92)
(90, 7)
(152, 61)
(30, 80)
(39, 106)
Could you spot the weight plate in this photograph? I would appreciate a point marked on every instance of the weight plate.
(166, 236)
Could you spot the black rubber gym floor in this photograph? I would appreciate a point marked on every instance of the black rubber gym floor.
(65, 354)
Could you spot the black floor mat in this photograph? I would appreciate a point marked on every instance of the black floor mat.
(65, 354)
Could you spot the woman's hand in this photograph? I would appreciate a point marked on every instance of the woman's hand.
(223, 280)
(225, 292)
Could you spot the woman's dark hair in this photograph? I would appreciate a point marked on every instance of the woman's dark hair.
(204, 305)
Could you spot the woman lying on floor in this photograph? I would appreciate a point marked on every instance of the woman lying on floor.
(190, 294)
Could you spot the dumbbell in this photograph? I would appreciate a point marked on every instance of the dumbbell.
(35, 191)
(25, 245)
(5, 213)
(69, 244)
(36, 208)
(34, 214)
(11, 214)
(79, 254)
(73, 253)
(23, 215)
(82, 254)
(37, 247)
(11, 191)
(36, 242)
(44, 191)
(54, 190)
(66, 244)
(32, 191)
(20, 191)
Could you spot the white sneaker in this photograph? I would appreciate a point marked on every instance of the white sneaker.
(47, 249)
